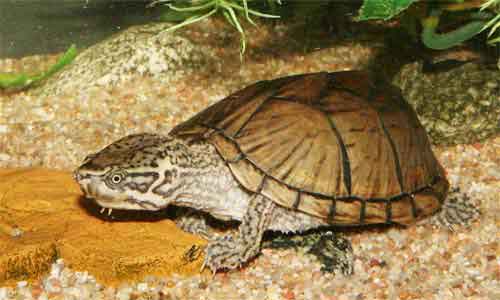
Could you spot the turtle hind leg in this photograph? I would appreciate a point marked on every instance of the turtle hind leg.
(278, 240)
(231, 251)
(331, 249)
(458, 209)
(334, 252)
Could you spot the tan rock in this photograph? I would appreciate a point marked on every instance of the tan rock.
(58, 223)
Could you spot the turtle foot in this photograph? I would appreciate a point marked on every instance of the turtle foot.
(223, 253)
(458, 209)
(334, 252)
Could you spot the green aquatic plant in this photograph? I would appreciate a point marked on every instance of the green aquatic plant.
(194, 11)
(190, 11)
(22, 81)
(440, 41)
(494, 24)
(478, 20)
(382, 9)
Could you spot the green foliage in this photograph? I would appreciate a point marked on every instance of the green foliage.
(494, 24)
(387, 9)
(186, 12)
(440, 41)
(22, 81)
(382, 9)
(191, 11)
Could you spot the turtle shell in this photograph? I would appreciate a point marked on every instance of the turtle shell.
(338, 146)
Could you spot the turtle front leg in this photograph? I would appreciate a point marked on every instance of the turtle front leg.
(231, 251)
(194, 222)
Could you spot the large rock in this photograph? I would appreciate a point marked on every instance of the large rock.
(140, 51)
(461, 105)
(58, 223)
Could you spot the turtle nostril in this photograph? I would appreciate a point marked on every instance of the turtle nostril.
(77, 175)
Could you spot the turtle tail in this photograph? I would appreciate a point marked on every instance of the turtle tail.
(457, 209)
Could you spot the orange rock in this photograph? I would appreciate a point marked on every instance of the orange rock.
(58, 223)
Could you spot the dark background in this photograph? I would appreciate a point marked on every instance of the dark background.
(30, 27)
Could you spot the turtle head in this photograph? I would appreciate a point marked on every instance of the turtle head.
(135, 172)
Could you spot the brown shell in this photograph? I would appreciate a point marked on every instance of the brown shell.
(333, 145)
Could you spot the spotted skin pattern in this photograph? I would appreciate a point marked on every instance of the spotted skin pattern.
(232, 251)
(458, 210)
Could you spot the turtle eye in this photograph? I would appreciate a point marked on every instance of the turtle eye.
(115, 178)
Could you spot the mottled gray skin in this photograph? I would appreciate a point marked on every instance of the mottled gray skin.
(151, 172)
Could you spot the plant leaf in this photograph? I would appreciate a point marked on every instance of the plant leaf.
(382, 9)
(9, 80)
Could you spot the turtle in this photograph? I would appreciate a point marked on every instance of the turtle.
(292, 154)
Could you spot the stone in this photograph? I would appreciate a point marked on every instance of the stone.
(458, 106)
(143, 50)
(58, 223)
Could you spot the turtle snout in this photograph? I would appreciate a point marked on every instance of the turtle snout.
(77, 176)
(84, 182)
(80, 179)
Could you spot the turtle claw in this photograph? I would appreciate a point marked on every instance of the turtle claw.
(204, 265)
